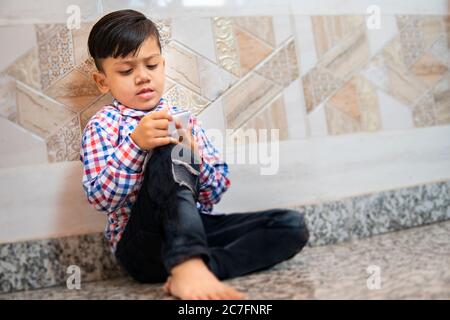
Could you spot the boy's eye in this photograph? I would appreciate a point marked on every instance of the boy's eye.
(125, 72)
(152, 66)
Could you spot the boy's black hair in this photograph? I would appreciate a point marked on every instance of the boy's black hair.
(120, 33)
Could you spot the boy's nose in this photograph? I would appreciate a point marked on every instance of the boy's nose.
(142, 77)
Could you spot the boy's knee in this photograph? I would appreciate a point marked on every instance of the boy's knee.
(295, 222)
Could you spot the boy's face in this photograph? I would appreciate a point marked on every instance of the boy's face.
(136, 81)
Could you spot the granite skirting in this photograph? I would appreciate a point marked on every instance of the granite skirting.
(43, 263)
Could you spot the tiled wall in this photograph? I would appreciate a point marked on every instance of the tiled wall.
(305, 75)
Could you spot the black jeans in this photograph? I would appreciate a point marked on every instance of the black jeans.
(165, 228)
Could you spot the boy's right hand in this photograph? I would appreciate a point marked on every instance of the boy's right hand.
(152, 130)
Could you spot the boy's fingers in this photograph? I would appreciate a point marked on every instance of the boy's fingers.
(164, 140)
(162, 114)
(161, 133)
(161, 124)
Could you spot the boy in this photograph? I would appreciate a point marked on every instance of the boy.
(161, 225)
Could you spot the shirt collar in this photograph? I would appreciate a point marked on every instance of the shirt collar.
(130, 112)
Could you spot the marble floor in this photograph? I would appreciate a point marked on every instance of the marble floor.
(412, 264)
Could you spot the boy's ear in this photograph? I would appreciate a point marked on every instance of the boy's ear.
(100, 81)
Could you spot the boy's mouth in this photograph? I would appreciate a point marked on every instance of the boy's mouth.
(145, 93)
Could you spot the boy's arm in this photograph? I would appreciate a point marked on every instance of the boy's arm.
(213, 178)
(110, 172)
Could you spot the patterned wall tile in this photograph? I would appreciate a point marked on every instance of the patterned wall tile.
(282, 66)
(339, 122)
(87, 113)
(260, 27)
(226, 45)
(186, 30)
(64, 144)
(187, 99)
(348, 55)
(424, 112)
(273, 116)
(80, 39)
(55, 55)
(440, 49)
(26, 69)
(251, 50)
(182, 67)
(165, 31)
(74, 90)
(428, 69)
(245, 99)
(441, 94)
(223, 80)
(394, 79)
(8, 108)
(330, 30)
(319, 84)
(411, 38)
(353, 108)
(39, 114)
(87, 67)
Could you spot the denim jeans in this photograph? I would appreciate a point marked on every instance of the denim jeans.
(165, 228)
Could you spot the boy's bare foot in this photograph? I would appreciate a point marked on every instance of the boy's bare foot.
(192, 280)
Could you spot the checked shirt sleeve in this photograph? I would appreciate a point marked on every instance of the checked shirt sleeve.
(213, 176)
(110, 172)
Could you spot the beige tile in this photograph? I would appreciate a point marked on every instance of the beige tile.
(428, 69)
(330, 30)
(87, 67)
(80, 39)
(8, 108)
(226, 45)
(441, 94)
(168, 84)
(271, 117)
(245, 99)
(431, 28)
(165, 31)
(440, 49)
(318, 85)
(369, 105)
(282, 67)
(424, 112)
(339, 122)
(46, 31)
(346, 100)
(65, 143)
(26, 69)
(394, 80)
(392, 54)
(348, 55)
(223, 80)
(411, 39)
(186, 99)
(74, 90)
(186, 30)
(357, 100)
(39, 114)
(252, 51)
(55, 55)
(87, 114)
(260, 27)
(182, 67)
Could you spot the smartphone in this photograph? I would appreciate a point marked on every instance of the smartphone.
(182, 117)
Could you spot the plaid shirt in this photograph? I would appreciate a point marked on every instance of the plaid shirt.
(113, 165)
